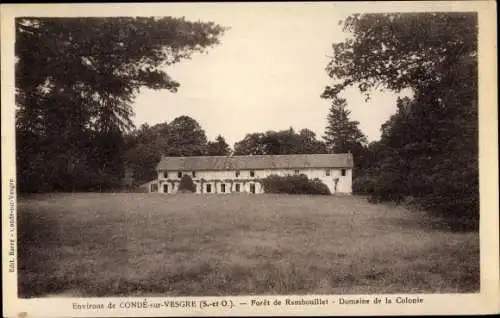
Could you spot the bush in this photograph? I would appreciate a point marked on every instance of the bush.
(363, 185)
(298, 184)
(448, 189)
(455, 197)
(187, 184)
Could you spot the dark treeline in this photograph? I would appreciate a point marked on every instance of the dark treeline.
(280, 143)
(429, 149)
(76, 79)
(185, 137)
(181, 137)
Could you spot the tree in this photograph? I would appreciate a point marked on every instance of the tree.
(185, 137)
(431, 143)
(219, 147)
(342, 135)
(76, 79)
(309, 144)
(402, 50)
(144, 147)
(280, 143)
(250, 145)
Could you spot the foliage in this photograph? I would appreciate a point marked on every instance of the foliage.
(401, 50)
(252, 144)
(364, 184)
(145, 146)
(219, 147)
(342, 135)
(280, 143)
(187, 184)
(296, 184)
(76, 79)
(308, 144)
(184, 137)
(429, 148)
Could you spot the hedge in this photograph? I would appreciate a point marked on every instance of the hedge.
(297, 184)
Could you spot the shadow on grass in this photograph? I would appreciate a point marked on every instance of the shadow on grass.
(36, 229)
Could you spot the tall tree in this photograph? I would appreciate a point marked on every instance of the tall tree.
(250, 145)
(430, 144)
(76, 79)
(185, 138)
(219, 147)
(280, 143)
(342, 135)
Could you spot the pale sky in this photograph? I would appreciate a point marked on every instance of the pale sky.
(267, 74)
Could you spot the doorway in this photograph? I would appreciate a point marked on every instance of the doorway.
(252, 188)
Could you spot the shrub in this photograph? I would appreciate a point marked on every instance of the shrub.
(449, 189)
(298, 184)
(187, 184)
(363, 185)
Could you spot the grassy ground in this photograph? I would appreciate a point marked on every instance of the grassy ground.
(150, 244)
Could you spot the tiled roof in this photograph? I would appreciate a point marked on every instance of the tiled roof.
(343, 160)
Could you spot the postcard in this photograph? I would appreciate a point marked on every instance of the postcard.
(248, 159)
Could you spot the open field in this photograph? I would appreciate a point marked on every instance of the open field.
(150, 244)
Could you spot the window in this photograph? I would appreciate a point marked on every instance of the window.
(237, 187)
(297, 171)
(179, 174)
(165, 174)
(342, 172)
(237, 173)
(154, 187)
(165, 188)
(327, 172)
(252, 188)
(194, 174)
(223, 187)
(209, 188)
(252, 173)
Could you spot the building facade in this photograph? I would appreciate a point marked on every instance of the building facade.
(230, 174)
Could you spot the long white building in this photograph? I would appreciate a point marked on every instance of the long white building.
(227, 174)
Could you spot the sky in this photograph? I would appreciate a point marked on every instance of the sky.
(267, 74)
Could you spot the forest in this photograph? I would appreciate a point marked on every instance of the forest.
(76, 80)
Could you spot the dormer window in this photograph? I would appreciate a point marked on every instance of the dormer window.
(252, 173)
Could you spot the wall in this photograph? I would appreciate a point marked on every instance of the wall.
(344, 184)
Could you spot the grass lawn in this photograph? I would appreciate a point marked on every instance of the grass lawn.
(91, 244)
